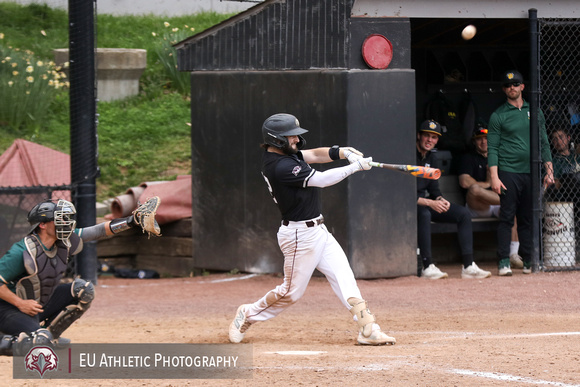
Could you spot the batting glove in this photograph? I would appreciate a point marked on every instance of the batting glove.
(362, 164)
(351, 154)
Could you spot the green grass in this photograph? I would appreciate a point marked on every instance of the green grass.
(143, 138)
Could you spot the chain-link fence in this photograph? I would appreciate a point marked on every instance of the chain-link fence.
(15, 203)
(560, 102)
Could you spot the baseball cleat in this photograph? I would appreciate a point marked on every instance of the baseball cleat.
(527, 268)
(473, 271)
(433, 272)
(505, 271)
(377, 337)
(239, 325)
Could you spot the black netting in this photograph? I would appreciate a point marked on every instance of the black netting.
(560, 102)
(15, 203)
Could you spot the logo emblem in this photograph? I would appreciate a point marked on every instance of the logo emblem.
(41, 359)
(296, 170)
(432, 125)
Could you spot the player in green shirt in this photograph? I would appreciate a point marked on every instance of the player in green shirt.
(508, 143)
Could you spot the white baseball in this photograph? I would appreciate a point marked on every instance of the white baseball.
(468, 32)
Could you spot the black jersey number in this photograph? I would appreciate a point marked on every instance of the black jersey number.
(270, 188)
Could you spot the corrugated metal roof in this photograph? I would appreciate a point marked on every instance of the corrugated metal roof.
(274, 35)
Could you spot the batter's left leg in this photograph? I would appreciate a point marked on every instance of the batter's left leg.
(334, 265)
(302, 249)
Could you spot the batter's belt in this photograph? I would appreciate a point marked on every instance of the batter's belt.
(304, 223)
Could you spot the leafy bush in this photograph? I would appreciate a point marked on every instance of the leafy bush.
(167, 55)
(28, 86)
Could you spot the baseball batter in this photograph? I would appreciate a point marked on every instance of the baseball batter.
(302, 236)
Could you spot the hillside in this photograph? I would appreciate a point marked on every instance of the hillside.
(142, 138)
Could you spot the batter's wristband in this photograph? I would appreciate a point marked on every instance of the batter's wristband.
(334, 152)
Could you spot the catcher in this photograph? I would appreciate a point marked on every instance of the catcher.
(35, 308)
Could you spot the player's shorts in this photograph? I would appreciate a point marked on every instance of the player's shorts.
(491, 212)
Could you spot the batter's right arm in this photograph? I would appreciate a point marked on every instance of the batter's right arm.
(336, 175)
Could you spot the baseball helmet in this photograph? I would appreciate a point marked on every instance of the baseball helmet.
(277, 127)
(62, 213)
(41, 213)
(430, 126)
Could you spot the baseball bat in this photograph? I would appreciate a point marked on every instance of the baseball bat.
(415, 170)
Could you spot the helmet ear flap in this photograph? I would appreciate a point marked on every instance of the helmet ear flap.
(301, 142)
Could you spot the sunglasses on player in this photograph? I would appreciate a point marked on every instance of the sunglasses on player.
(508, 85)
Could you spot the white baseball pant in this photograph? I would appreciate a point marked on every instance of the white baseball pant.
(305, 249)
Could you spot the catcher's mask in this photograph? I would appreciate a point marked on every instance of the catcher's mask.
(62, 213)
(276, 128)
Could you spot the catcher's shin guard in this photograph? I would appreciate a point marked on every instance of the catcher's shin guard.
(24, 342)
(84, 292)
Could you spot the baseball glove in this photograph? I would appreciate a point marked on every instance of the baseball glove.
(144, 216)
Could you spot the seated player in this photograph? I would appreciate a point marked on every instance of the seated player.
(432, 206)
(480, 200)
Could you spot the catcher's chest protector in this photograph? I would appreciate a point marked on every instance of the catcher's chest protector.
(44, 269)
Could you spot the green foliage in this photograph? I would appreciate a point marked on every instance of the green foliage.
(153, 142)
(28, 86)
(167, 55)
(34, 27)
(144, 138)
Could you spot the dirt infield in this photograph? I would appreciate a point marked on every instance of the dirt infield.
(523, 330)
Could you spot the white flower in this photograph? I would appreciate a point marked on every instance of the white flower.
(30, 79)
(15, 73)
(166, 24)
(39, 63)
(29, 69)
(10, 83)
(154, 34)
(43, 32)
(1, 35)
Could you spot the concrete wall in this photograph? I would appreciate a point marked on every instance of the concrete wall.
(371, 214)
(157, 7)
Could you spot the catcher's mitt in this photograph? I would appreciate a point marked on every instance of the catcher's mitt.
(144, 216)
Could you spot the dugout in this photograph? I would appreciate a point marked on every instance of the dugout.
(305, 58)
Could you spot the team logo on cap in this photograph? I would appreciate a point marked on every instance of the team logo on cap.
(432, 125)
(510, 76)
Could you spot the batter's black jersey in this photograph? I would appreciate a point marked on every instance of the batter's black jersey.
(287, 178)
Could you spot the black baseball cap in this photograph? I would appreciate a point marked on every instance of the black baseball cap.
(430, 126)
(511, 77)
(480, 132)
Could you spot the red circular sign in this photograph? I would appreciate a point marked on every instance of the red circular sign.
(377, 51)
